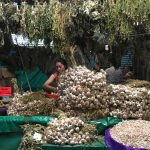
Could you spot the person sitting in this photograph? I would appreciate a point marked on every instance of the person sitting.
(113, 74)
(127, 73)
(52, 83)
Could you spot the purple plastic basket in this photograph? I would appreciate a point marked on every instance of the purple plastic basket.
(3, 111)
(114, 145)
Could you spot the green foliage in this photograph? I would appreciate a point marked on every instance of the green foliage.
(124, 16)
(68, 22)
(36, 21)
(119, 19)
(61, 16)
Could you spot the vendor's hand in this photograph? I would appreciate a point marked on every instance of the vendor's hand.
(56, 89)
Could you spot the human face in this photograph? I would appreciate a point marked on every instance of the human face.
(60, 67)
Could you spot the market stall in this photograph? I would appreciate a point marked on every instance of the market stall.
(12, 133)
(76, 114)
(86, 112)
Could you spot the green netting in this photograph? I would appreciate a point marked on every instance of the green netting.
(36, 79)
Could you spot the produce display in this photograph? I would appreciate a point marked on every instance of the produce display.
(70, 131)
(71, 28)
(85, 95)
(81, 90)
(138, 83)
(31, 104)
(84, 91)
(134, 133)
(127, 102)
(61, 131)
(32, 138)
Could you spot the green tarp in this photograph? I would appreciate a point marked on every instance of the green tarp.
(11, 132)
(10, 141)
(11, 123)
(36, 79)
(40, 119)
(92, 146)
(104, 123)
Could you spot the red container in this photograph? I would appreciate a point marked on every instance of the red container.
(52, 96)
(5, 91)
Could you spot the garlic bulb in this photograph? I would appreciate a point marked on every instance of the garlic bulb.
(69, 131)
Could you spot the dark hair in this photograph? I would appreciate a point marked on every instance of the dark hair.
(62, 61)
(114, 63)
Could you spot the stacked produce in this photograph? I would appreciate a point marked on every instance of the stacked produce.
(31, 104)
(86, 93)
(69, 131)
(134, 133)
(82, 90)
(138, 83)
(127, 102)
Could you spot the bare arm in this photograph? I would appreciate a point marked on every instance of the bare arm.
(48, 82)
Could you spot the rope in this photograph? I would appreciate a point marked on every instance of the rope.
(23, 67)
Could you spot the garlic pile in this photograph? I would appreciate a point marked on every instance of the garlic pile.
(127, 102)
(30, 104)
(134, 133)
(16, 104)
(89, 6)
(86, 92)
(82, 76)
(69, 131)
(83, 89)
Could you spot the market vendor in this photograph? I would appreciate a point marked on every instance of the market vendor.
(127, 73)
(51, 85)
(114, 74)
